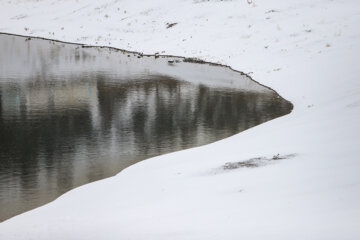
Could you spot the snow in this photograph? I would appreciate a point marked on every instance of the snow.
(307, 50)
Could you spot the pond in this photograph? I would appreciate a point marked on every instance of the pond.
(70, 114)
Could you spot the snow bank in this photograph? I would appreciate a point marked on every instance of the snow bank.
(306, 50)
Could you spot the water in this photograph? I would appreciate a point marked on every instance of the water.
(71, 115)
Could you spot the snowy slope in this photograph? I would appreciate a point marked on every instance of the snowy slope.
(308, 51)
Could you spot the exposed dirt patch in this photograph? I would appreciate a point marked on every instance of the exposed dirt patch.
(255, 162)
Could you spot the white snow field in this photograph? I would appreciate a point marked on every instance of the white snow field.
(307, 50)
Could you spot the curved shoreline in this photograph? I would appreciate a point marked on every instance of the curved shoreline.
(221, 75)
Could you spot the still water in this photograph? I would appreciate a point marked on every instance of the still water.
(71, 115)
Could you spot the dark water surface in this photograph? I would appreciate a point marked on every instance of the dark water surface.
(71, 115)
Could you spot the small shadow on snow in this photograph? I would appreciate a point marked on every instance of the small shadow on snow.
(18, 17)
(255, 162)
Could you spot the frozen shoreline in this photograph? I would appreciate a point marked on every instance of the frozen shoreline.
(305, 50)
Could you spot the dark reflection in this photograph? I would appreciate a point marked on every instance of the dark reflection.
(69, 116)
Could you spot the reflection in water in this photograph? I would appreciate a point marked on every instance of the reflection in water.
(70, 115)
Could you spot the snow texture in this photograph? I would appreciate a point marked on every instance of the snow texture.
(307, 50)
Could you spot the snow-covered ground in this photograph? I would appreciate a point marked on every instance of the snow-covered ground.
(307, 50)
